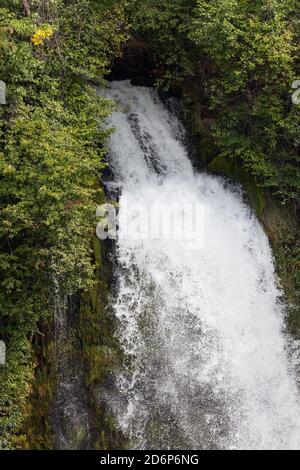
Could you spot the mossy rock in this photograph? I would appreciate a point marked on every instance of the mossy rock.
(207, 150)
(233, 169)
(102, 361)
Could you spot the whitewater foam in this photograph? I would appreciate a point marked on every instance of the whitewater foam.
(201, 325)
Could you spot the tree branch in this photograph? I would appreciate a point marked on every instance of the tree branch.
(26, 7)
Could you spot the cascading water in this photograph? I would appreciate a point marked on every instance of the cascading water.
(206, 363)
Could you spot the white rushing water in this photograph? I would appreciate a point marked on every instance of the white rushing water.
(201, 325)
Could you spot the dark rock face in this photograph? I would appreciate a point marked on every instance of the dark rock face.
(86, 354)
(136, 64)
(71, 415)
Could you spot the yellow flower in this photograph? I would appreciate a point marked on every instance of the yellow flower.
(41, 35)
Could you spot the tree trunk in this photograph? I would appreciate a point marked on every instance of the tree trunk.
(26, 7)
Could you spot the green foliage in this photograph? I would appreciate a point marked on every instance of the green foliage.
(166, 26)
(5, 35)
(52, 144)
(51, 161)
(244, 55)
(90, 35)
(251, 46)
(15, 386)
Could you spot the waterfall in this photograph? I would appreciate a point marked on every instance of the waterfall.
(206, 363)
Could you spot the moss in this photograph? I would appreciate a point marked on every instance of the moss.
(101, 360)
(100, 351)
(282, 227)
(97, 252)
(207, 149)
(37, 429)
(90, 343)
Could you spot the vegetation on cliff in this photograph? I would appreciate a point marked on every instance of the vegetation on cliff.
(244, 57)
(51, 155)
(233, 63)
